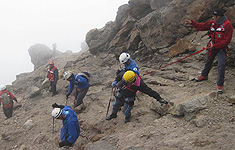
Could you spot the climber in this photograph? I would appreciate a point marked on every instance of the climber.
(220, 31)
(6, 98)
(129, 84)
(52, 75)
(71, 129)
(82, 85)
(129, 64)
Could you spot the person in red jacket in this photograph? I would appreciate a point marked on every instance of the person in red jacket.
(52, 75)
(220, 31)
(6, 98)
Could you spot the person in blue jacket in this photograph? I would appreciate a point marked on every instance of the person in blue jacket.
(79, 80)
(70, 131)
(129, 64)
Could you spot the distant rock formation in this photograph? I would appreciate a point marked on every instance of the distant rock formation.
(40, 54)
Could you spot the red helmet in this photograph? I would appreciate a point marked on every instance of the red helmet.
(51, 62)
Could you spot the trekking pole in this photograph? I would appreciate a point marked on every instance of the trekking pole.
(109, 102)
(66, 101)
(53, 124)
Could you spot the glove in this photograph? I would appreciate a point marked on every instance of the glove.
(55, 105)
(67, 95)
(162, 101)
(118, 71)
(114, 83)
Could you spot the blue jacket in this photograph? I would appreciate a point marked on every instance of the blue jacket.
(132, 66)
(80, 81)
(71, 129)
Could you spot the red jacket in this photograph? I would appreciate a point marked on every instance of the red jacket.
(11, 99)
(52, 74)
(220, 35)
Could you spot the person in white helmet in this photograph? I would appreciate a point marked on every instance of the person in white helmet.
(129, 64)
(70, 131)
(81, 81)
(6, 98)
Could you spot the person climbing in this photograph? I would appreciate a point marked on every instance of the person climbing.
(52, 75)
(81, 81)
(220, 31)
(6, 98)
(70, 131)
(129, 64)
(129, 84)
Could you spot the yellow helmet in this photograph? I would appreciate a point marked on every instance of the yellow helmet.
(129, 77)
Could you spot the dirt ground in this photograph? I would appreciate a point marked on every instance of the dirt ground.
(212, 129)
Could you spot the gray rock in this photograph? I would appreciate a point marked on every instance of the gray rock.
(28, 124)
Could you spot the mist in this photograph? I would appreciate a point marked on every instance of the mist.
(64, 22)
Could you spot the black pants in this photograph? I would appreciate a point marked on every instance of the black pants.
(53, 87)
(79, 96)
(8, 112)
(221, 56)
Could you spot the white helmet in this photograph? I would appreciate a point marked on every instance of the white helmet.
(3, 87)
(67, 74)
(56, 112)
(124, 57)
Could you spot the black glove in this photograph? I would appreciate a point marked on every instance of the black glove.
(55, 105)
(162, 101)
(67, 95)
(65, 143)
(118, 71)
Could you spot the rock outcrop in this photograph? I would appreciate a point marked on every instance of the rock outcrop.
(40, 54)
(153, 25)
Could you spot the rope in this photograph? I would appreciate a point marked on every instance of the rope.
(197, 52)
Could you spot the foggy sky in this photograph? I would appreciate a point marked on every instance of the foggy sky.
(64, 22)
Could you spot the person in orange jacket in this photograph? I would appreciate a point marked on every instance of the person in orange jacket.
(6, 98)
(220, 31)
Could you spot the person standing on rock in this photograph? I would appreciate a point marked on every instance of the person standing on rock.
(6, 98)
(220, 31)
(129, 84)
(52, 75)
(129, 64)
(70, 131)
(81, 82)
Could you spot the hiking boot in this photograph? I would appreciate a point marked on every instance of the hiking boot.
(201, 78)
(111, 116)
(219, 89)
(127, 119)
(80, 108)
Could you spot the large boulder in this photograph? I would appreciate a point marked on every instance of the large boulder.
(96, 39)
(40, 54)
(139, 8)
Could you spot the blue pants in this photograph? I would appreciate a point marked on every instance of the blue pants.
(221, 56)
(127, 104)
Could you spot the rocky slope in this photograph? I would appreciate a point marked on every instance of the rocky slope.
(154, 34)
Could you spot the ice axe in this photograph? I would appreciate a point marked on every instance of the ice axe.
(109, 102)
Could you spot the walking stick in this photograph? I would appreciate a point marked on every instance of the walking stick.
(109, 102)
(66, 102)
(53, 124)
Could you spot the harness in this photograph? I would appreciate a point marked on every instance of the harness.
(217, 34)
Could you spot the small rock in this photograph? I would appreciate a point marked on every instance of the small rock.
(191, 78)
(181, 85)
(28, 124)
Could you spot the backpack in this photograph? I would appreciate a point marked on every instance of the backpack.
(6, 99)
(86, 75)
